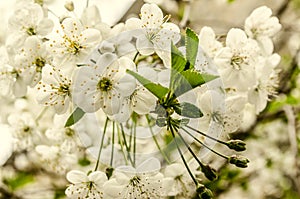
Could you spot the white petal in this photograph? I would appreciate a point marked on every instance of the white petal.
(6, 143)
(45, 26)
(76, 176)
(144, 46)
(98, 177)
(151, 16)
(149, 165)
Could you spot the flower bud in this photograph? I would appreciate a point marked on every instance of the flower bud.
(109, 171)
(203, 192)
(237, 145)
(69, 5)
(238, 161)
(209, 172)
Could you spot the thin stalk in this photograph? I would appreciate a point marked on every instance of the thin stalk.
(121, 145)
(126, 145)
(208, 136)
(112, 145)
(223, 156)
(134, 143)
(87, 3)
(190, 150)
(181, 155)
(101, 144)
(156, 142)
(41, 114)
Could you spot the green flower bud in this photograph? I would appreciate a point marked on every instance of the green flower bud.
(238, 161)
(209, 172)
(203, 192)
(109, 171)
(237, 145)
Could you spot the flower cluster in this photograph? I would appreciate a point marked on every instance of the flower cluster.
(145, 101)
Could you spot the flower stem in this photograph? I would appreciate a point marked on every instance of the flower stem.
(112, 145)
(126, 145)
(181, 155)
(121, 142)
(156, 142)
(101, 144)
(134, 143)
(190, 150)
(208, 136)
(200, 142)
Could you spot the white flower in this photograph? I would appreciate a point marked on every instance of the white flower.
(104, 85)
(54, 90)
(85, 186)
(267, 81)
(55, 160)
(261, 26)
(24, 130)
(128, 183)
(237, 61)
(207, 40)
(141, 101)
(260, 23)
(219, 111)
(157, 34)
(31, 61)
(177, 182)
(10, 79)
(27, 21)
(6, 143)
(73, 43)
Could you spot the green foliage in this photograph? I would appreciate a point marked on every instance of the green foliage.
(156, 89)
(188, 110)
(75, 117)
(191, 44)
(20, 180)
(189, 79)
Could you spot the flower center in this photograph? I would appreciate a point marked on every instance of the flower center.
(217, 117)
(69, 132)
(135, 181)
(63, 89)
(105, 84)
(236, 61)
(31, 31)
(39, 63)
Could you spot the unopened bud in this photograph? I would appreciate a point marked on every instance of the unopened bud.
(209, 172)
(109, 171)
(69, 5)
(237, 145)
(238, 161)
(203, 192)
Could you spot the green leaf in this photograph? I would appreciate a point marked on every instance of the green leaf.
(178, 63)
(75, 117)
(156, 89)
(191, 44)
(187, 80)
(188, 110)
